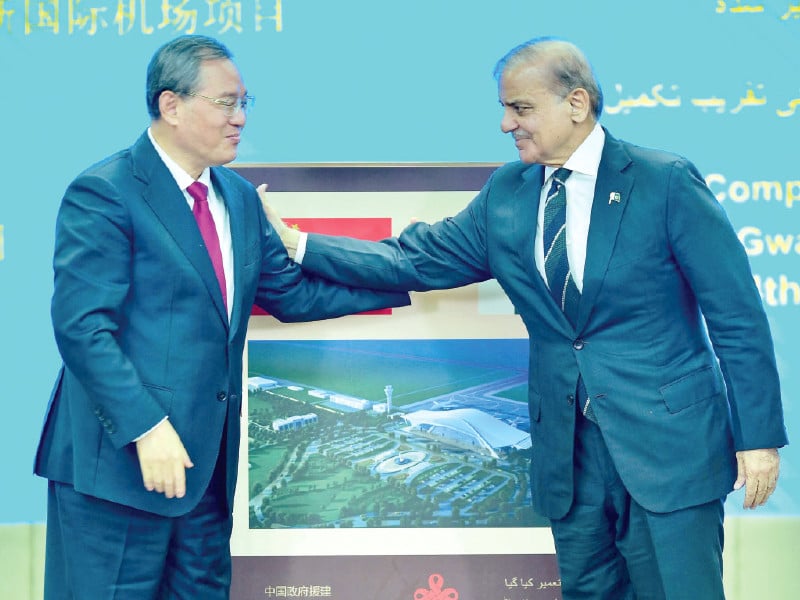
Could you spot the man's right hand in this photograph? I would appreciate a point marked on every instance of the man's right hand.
(163, 461)
(289, 235)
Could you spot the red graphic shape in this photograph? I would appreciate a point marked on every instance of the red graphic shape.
(373, 229)
(436, 592)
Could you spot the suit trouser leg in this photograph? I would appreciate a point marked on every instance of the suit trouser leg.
(688, 545)
(590, 563)
(199, 560)
(610, 548)
(100, 550)
(56, 580)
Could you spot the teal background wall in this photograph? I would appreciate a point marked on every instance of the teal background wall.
(394, 81)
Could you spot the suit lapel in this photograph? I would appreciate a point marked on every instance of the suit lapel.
(611, 195)
(169, 205)
(233, 202)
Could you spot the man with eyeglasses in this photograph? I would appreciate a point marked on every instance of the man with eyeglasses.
(160, 253)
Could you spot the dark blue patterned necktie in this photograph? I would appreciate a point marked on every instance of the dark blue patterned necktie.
(556, 264)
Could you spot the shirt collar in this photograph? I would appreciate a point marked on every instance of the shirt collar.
(182, 178)
(586, 158)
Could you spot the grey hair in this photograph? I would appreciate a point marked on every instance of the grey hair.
(176, 67)
(569, 67)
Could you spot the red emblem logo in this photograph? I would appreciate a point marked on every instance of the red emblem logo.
(437, 590)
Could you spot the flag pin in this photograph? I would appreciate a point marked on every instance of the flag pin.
(613, 197)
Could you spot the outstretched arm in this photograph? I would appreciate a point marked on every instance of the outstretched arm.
(448, 254)
(293, 294)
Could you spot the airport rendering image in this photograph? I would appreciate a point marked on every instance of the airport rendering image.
(389, 433)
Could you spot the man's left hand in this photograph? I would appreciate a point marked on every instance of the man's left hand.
(758, 472)
(288, 235)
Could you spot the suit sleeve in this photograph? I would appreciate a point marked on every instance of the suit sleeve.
(716, 266)
(92, 263)
(292, 295)
(448, 254)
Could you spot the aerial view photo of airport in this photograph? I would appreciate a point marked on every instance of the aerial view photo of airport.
(389, 433)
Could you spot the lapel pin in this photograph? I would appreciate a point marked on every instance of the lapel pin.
(613, 197)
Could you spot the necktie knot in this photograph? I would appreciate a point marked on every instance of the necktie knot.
(560, 176)
(198, 191)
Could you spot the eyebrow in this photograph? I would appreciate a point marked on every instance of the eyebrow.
(233, 95)
(514, 103)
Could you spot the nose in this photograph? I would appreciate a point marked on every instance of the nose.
(508, 123)
(239, 118)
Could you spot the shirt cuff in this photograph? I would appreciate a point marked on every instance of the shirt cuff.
(301, 248)
(136, 439)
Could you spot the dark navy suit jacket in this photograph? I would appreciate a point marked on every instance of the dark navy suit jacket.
(141, 326)
(671, 338)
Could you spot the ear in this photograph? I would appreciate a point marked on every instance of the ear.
(580, 105)
(168, 103)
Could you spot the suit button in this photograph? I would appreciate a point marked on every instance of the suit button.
(570, 399)
(578, 344)
(222, 396)
(234, 397)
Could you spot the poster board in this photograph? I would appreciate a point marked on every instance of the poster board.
(387, 454)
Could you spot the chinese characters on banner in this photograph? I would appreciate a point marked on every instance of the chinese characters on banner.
(123, 17)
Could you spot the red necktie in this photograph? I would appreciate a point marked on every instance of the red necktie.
(208, 230)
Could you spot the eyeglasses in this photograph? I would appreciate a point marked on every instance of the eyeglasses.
(229, 106)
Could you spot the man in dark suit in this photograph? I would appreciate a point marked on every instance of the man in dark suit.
(653, 387)
(150, 311)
